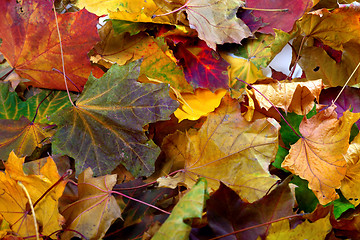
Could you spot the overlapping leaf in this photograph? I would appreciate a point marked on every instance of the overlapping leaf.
(291, 96)
(95, 209)
(306, 230)
(216, 21)
(350, 184)
(22, 136)
(104, 129)
(199, 104)
(227, 211)
(340, 31)
(13, 108)
(35, 51)
(282, 9)
(14, 205)
(226, 141)
(158, 61)
(178, 225)
(203, 67)
(319, 156)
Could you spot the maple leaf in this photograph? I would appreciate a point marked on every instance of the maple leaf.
(198, 104)
(95, 202)
(104, 129)
(21, 34)
(274, 19)
(227, 141)
(339, 31)
(13, 108)
(264, 48)
(243, 69)
(215, 21)
(190, 206)
(306, 230)
(349, 185)
(227, 211)
(22, 136)
(129, 10)
(203, 67)
(290, 96)
(14, 203)
(319, 155)
(158, 61)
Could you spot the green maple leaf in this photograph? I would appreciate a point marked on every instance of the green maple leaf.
(105, 128)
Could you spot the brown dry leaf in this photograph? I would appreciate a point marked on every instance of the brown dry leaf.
(227, 148)
(216, 21)
(290, 96)
(95, 210)
(319, 156)
(14, 205)
(350, 185)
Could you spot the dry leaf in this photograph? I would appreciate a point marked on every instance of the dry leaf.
(226, 141)
(95, 210)
(319, 156)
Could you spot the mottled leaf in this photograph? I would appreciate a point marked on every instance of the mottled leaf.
(31, 43)
(104, 129)
(21, 136)
(203, 67)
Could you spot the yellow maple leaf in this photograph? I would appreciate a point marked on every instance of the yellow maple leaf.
(319, 156)
(227, 148)
(350, 185)
(306, 230)
(14, 205)
(198, 104)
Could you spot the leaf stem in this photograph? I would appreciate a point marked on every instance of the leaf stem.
(342, 89)
(259, 225)
(272, 105)
(65, 175)
(54, 69)
(137, 200)
(62, 54)
(31, 207)
(174, 11)
(266, 9)
(37, 109)
(297, 58)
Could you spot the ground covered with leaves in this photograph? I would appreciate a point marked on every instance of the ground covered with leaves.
(160, 122)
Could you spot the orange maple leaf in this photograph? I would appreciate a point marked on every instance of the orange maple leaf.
(30, 43)
(319, 156)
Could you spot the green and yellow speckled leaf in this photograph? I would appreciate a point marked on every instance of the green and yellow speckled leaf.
(105, 128)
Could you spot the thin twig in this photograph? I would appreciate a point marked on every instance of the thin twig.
(37, 109)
